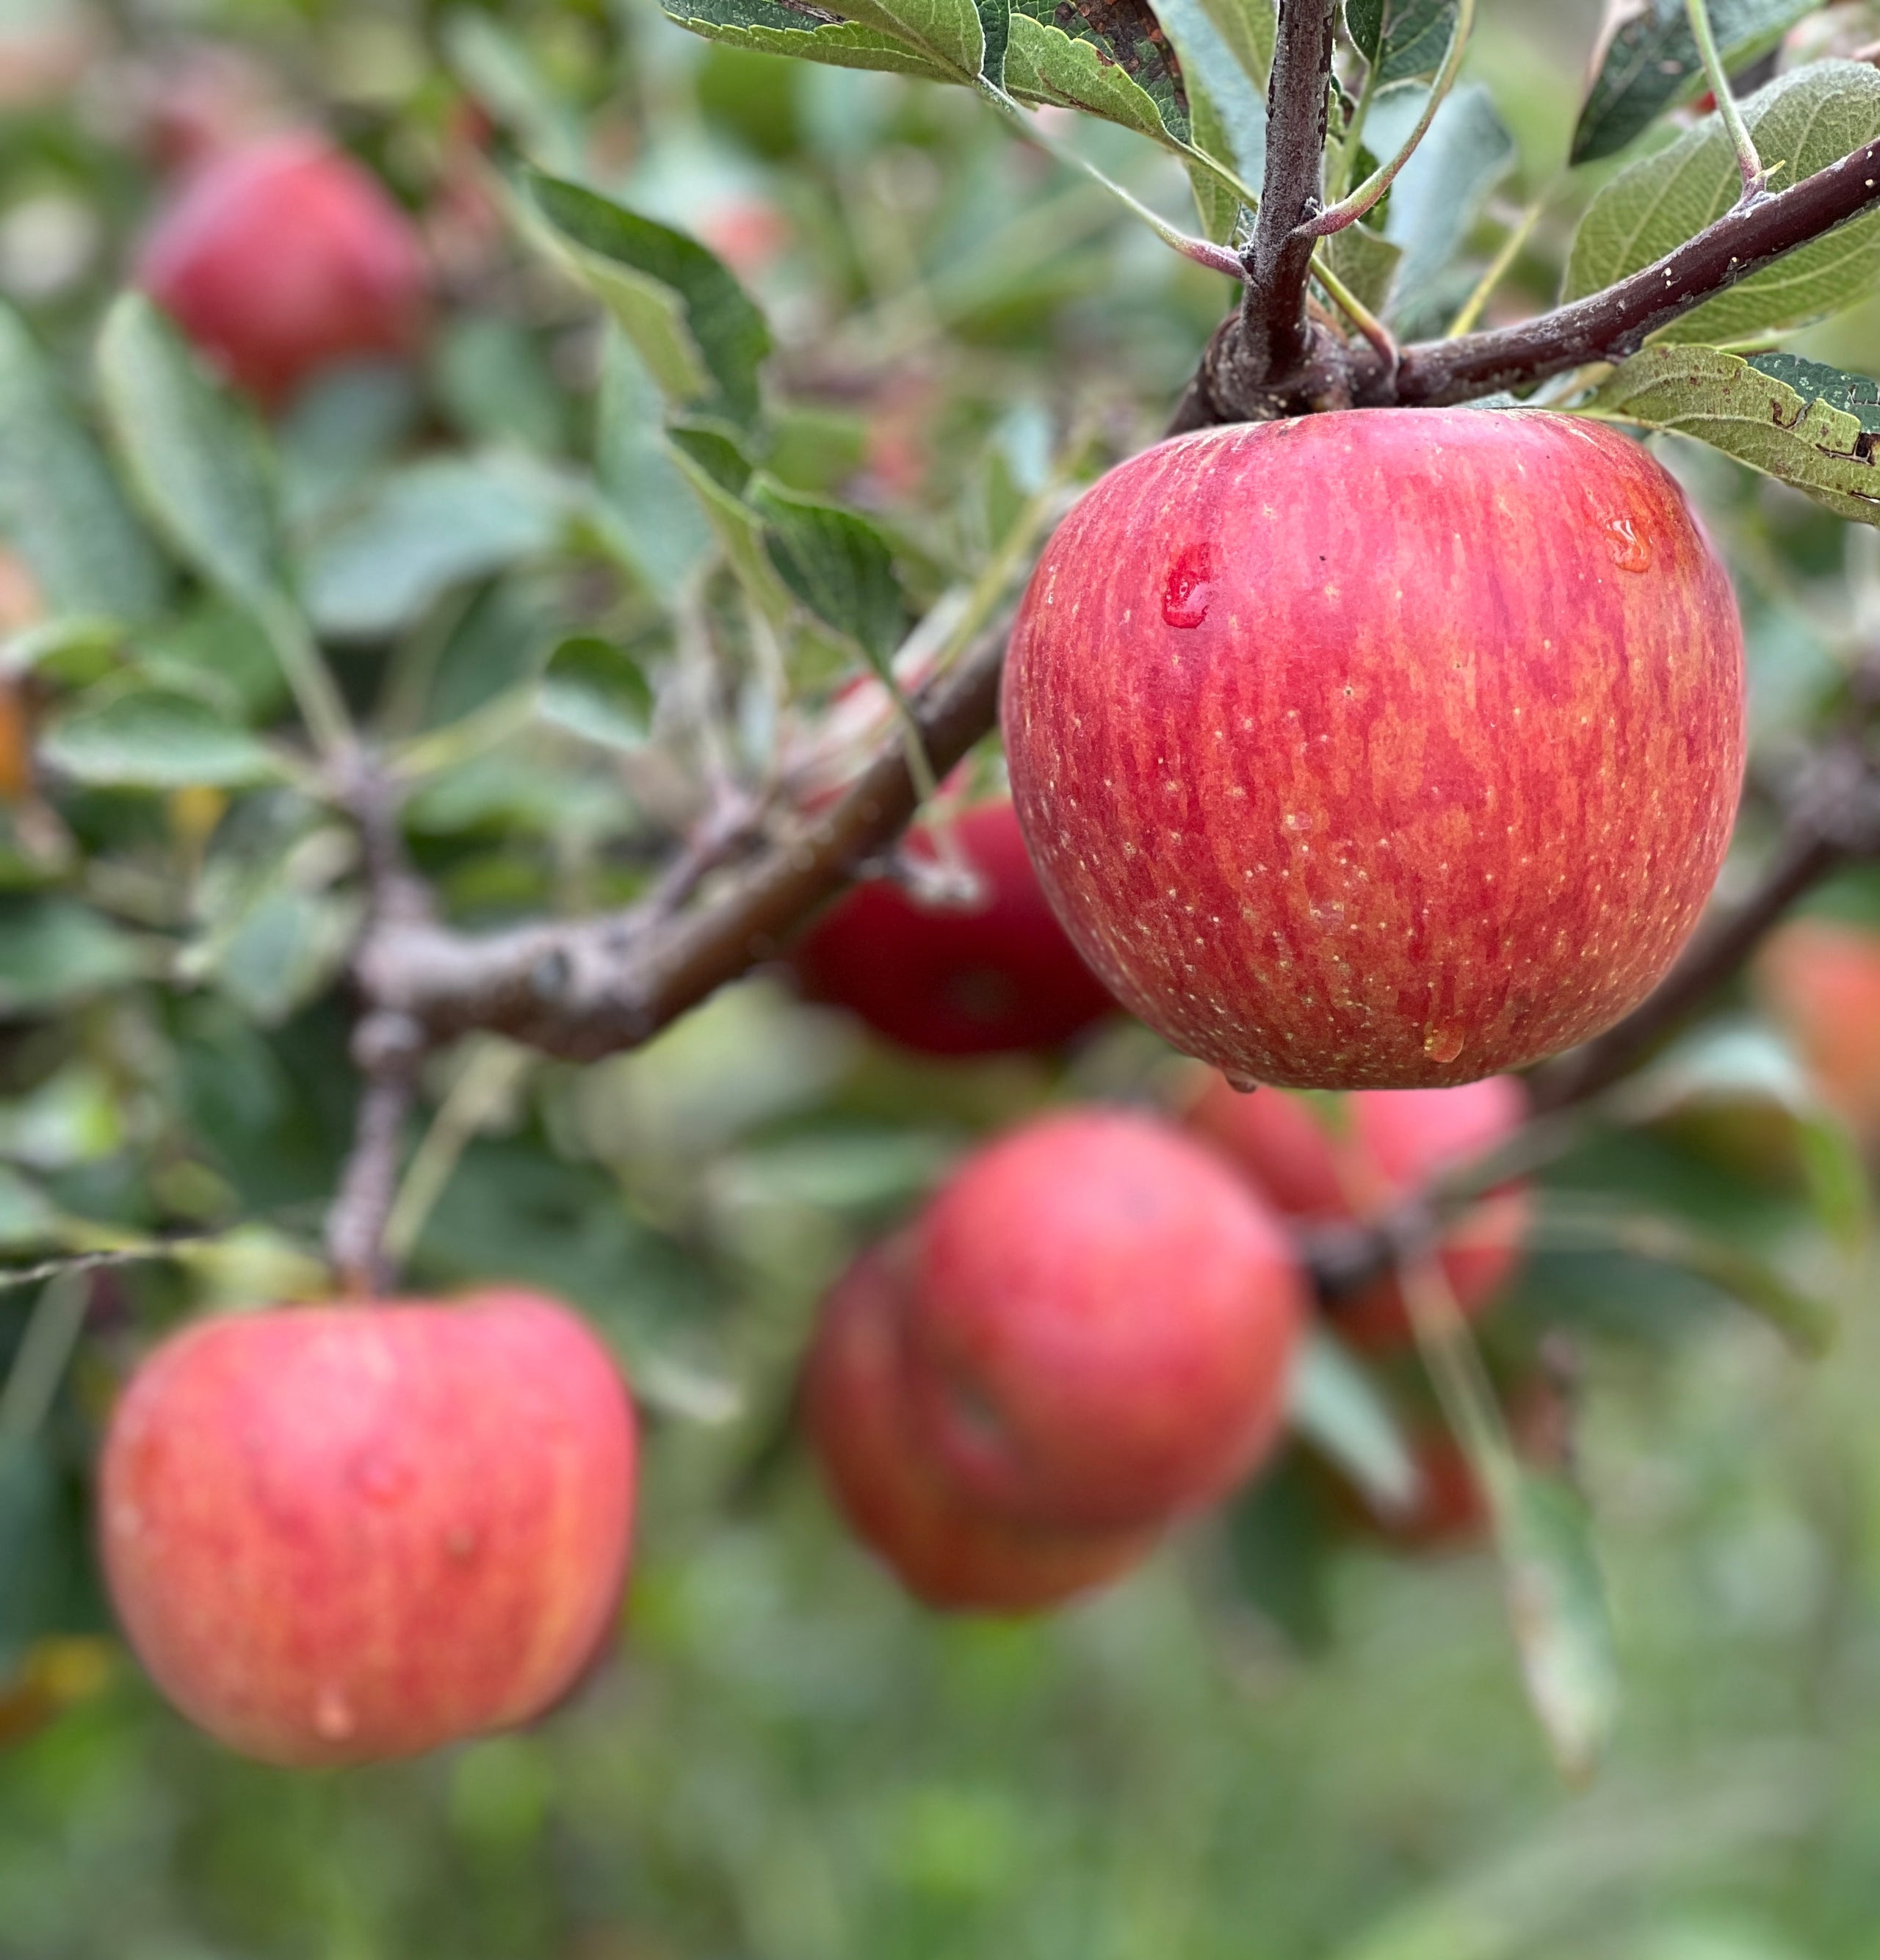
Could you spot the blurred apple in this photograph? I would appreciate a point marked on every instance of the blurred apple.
(1365, 1152)
(1101, 1323)
(896, 1492)
(986, 978)
(283, 258)
(1820, 979)
(341, 1533)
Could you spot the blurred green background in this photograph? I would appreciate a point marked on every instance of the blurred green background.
(1284, 1737)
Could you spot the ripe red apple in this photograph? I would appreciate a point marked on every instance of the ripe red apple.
(1820, 979)
(948, 980)
(338, 1534)
(1100, 1322)
(1379, 749)
(946, 1550)
(283, 258)
(1394, 1142)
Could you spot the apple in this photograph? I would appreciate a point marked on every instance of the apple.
(896, 1495)
(282, 258)
(1386, 748)
(339, 1534)
(946, 980)
(1380, 1146)
(1100, 1323)
(1820, 979)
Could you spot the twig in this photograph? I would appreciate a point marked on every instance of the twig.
(1349, 210)
(593, 987)
(1755, 178)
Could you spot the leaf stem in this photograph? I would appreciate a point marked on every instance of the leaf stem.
(1755, 178)
(1470, 311)
(309, 679)
(1348, 210)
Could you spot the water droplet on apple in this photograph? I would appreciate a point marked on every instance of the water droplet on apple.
(1245, 1084)
(1188, 589)
(1443, 1044)
(333, 1719)
(1630, 552)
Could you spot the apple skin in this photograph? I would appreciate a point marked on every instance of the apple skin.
(1397, 1141)
(1385, 749)
(948, 1551)
(336, 1535)
(283, 257)
(948, 980)
(1820, 979)
(1102, 1320)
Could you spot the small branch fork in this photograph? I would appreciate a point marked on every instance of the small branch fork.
(1229, 386)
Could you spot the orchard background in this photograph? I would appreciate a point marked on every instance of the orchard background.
(601, 663)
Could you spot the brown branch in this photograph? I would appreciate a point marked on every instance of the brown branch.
(1275, 333)
(591, 987)
(1606, 326)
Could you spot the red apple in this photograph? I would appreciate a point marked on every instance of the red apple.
(1101, 1320)
(1820, 979)
(896, 1495)
(1380, 750)
(338, 1534)
(283, 258)
(1393, 1142)
(948, 980)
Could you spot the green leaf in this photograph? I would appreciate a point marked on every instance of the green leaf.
(424, 528)
(1563, 1631)
(28, 1219)
(1741, 408)
(723, 323)
(1401, 38)
(275, 933)
(1115, 62)
(191, 454)
(1246, 27)
(716, 471)
(1044, 64)
(153, 738)
(598, 691)
(54, 951)
(60, 506)
(951, 34)
(1335, 1405)
(838, 565)
(1366, 262)
(657, 525)
(765, 28)
(1806, 121)
(1440, 193)
(1855, 395)
(36, 1552)
(1648, 63)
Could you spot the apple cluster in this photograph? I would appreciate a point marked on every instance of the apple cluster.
(1086, 1334)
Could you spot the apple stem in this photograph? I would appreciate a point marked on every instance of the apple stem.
(387, 1048)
